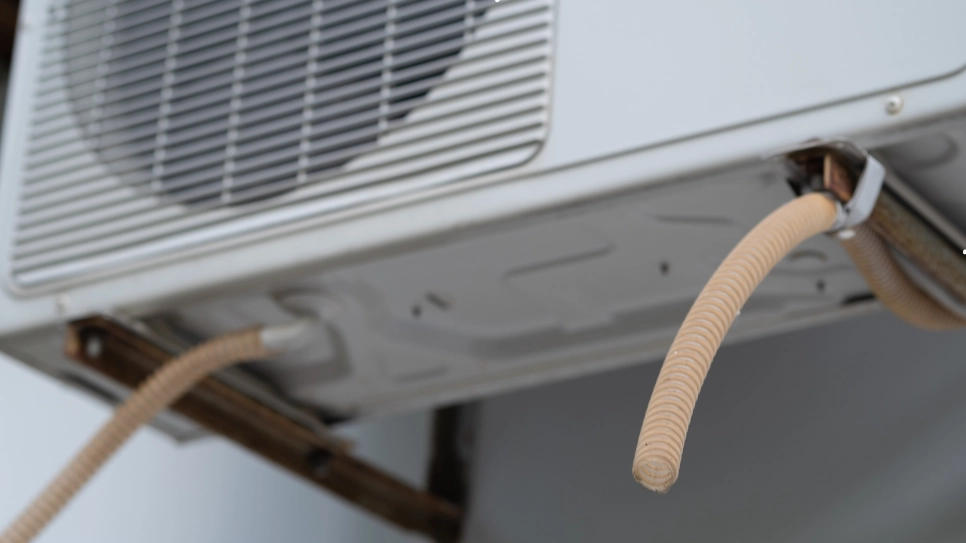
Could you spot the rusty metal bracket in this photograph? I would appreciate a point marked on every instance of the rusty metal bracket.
(129, 358)
(898, 224)
(855, 199)
(909, 234)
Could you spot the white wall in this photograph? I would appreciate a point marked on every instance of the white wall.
(155, 491)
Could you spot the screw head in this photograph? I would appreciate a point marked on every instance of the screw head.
(847, 233)
(93, 347)
(894, 104)
(63, 301)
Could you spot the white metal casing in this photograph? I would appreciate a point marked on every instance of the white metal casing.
(660, 110)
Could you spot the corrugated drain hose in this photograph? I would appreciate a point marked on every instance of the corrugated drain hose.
(657, 460)
(165, 386)
(891, 285)
(661, 443)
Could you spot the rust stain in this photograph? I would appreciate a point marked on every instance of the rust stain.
(129, 358)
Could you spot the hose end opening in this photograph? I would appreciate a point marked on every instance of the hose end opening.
(655, 474)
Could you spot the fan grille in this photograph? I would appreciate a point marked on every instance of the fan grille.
(181, 97)
(156, 119)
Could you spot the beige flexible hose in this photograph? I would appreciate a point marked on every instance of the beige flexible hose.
(661, 443)
(891, 285)
(157, 392)
(658, 457)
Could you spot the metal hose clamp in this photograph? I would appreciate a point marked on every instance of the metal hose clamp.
(870, 179)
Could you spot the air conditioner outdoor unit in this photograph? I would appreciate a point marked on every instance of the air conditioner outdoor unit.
(476, 194)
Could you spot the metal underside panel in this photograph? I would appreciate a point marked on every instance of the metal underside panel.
(563, 294)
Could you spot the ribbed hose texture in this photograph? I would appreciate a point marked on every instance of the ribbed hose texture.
(891, 285)
(661, 443)
(160, 390)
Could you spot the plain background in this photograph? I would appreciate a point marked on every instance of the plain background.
(851, 432)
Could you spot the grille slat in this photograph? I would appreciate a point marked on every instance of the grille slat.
(336, 99)
(497, 107)
(489, 102)
(215, 39)
(221, 225)
(133, 229)
(356, 26)
(340, 92)
(193, 120)
(199, 133)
